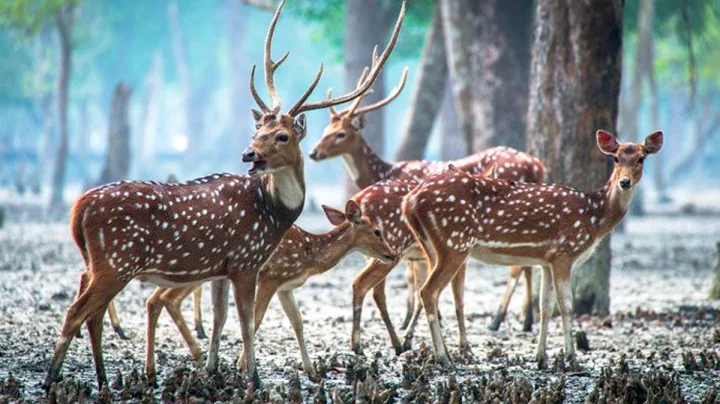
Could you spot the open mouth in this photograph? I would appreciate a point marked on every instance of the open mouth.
(257, 167)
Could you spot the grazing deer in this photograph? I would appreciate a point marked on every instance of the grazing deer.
(343, 138)
(456, 215)
(299, 256)
(214, 228)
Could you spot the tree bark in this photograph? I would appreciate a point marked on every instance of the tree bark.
(427, 96)
(575, 77)
(455, 14)
(117, 160)
(715, 284)
(500, 63)
(452, 146)
(64, 23)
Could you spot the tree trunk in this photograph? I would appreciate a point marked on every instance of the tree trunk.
(117, 160)
(575, 77)
(455, 14)
(452, 146)
(715, 285)
(239, 68)
(427, 96)
(64, 26)
(500, 63)
(150, 115)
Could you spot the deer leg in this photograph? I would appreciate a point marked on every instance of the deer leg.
(447, 266)
(84, 280)
(381, 303)
(458, 288)
(412, 291)
(546, 293)
(509, 289)
(245, 301)
(528, 320)
(561, 279)
(172, 299)
(287, 300)
(94, 299)
(197, 311)
(265, 292)
(373, 273)
(154, 307)
(420, 277)
(115, 320)
(219, 290)
(95, 328)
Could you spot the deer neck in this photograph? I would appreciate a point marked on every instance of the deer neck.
(365, 166)
(329, 248)
(285, 190)
(613, 205)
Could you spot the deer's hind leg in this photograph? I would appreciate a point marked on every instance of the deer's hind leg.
(197, 312)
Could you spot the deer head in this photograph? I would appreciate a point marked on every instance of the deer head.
(367, 238)
(629, 157)
(276, 142)
(344, 132)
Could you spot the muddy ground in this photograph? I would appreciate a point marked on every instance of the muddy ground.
(662, 341)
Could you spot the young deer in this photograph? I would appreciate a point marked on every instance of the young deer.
(456, 215)
(343, 138)
(299, 256)
(214, 228)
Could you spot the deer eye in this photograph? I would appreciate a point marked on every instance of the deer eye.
(616, 159)
(282, 137)
(377, 233)
(340, 135)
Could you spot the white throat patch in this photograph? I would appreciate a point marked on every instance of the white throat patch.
(351, 166)
(287, 189)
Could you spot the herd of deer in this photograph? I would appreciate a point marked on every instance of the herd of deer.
(239, 229)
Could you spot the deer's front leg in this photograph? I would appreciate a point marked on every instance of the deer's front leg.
(197, 312)
(507, 296)
(287, 300)
(244, 287)
(561, 279)
(373, 273)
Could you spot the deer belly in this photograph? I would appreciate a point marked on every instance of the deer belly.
(173, 281)
(499, 257)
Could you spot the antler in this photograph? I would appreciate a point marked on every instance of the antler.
(395, 92)
(376, 67)
(270, 68)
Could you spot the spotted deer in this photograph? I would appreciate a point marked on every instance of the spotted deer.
(382, 202)
(456, 215)
(343, 138)
(216, 228)
(299, 256)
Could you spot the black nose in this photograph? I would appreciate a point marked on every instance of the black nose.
(625, 183)
(389, 257)
(249, 155)
(313, 154)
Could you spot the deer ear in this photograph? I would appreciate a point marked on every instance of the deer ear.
(358, 121)
(607, 142)
(257, 117)
(654, 142)
(334, 216)
(300, 126)
(353, 212)
(489, 171)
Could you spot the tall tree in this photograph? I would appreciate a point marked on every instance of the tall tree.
(117, 160)
(452, 146)
(150, 114)
(64, 23)
(428, 95)
(575, 77)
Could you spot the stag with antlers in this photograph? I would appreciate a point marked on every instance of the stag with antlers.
(216, 228)
(456, 215)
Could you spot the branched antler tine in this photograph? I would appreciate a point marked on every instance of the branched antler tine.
(395, 92)
(363, 76)
(269, 65)
(307, 93)
(372, 76)
(358, 100)
(279, 62)
(254, 93)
